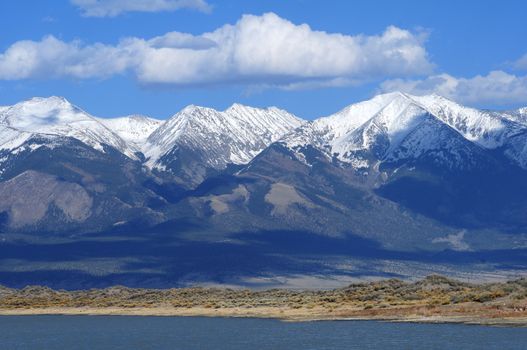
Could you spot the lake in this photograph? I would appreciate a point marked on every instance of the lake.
(136, 332)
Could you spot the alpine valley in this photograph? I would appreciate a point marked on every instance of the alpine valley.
(398, 185)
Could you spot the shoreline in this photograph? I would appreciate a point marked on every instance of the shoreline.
(278, 314)
(435, 299)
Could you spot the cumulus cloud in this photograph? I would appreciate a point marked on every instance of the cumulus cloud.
(112, 8)
(257, 50)
(53, 58)
(497, 87)
(271, 49)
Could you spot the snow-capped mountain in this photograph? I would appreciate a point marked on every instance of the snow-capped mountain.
(397, 126)
(210, 139)
(418, 166)
(390, 127)
(488, 129)
(519, 115)
(54, 118)
(134, 129)
(214, 138)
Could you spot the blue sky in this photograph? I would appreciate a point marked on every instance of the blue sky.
(474, 52)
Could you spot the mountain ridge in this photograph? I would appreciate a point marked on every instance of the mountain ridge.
(385, 186)
(339, 133)
(55, 116)
(488, 129)
(278, 167)
(215, 138)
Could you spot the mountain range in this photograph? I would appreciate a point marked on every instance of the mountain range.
(396, 173)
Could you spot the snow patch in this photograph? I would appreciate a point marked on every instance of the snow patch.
(134, 129)
(455, 240)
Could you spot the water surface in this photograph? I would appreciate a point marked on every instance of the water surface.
(129, 332)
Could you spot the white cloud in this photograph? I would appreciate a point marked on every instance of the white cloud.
(178, 40)
(258, 50)
(112, 8)
(53, 58)
(497, 87)
(521, 64)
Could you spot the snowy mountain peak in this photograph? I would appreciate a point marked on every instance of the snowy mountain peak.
(353, 116)
(237, 106)
(379, 125)
(139, 118)
(234, 136)
(39, 113)
(192, 108)
(389, 121)
(50, 99)
(54, 117)
(134, 129)
(49, 102)
(487, 129)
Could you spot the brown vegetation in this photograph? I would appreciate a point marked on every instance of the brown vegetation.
(434, 299)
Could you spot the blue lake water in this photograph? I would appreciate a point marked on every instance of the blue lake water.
(123, 332)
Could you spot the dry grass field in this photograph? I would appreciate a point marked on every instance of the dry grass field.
(433, 299)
